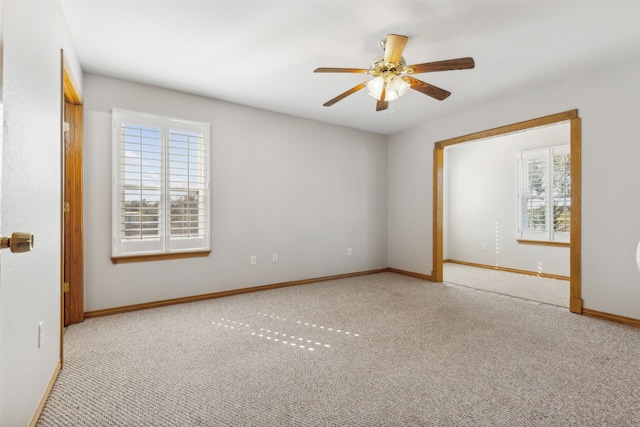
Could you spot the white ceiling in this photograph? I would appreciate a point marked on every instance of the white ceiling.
(263, 53)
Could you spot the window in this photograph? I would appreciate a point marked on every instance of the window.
(160, 185)
(544, 194)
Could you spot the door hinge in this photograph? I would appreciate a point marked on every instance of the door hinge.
(65, 287)
(66, 127)
(67, 207)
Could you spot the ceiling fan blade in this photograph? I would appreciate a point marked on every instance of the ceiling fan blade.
(382, 104)
(427, 89)
(449, 64)
(344, 95)
(340, 70)
(393, 48)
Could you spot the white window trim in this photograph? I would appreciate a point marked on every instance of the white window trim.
(550, 235)
(165, 244)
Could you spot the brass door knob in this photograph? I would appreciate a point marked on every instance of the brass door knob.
(18, 242)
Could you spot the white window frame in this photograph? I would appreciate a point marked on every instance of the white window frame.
(165, 242)
(548, 234)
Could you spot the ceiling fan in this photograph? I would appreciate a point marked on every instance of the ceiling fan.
(393, 76)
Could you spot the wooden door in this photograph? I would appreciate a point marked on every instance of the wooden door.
(73, 222)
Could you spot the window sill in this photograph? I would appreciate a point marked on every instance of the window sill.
(544, 243)
(157, 257)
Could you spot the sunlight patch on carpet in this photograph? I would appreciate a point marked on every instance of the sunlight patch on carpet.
(309, 341)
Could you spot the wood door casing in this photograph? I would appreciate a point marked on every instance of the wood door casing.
(73, 219)
(571, 116)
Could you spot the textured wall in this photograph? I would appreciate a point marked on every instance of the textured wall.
(609, 106)
(279, 184)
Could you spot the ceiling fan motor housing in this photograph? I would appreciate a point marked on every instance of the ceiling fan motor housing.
(380, 68)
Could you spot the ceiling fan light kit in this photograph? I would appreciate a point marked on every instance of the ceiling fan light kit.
(391, 74)
(393, 86)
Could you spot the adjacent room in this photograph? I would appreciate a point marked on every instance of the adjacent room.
(507, 214)
(249, 212)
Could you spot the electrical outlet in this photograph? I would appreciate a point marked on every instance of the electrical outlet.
(275, 258)
(253, 260)
(40, 334)
(484, 246)
(349, 252)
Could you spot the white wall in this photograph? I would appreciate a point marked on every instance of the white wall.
(609, 105)
(481, 186)
(280, 184)
(33, 34)
(410, 201)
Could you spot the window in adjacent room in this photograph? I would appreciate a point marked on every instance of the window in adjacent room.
(160, 185)
(544, 194)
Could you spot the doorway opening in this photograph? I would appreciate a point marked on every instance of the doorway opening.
(72, 251)
(572, 121)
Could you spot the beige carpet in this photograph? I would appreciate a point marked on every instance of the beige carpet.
(377, 350)
(540, 289)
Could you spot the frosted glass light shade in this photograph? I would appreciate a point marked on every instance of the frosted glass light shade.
(375, 87)
(396, 87)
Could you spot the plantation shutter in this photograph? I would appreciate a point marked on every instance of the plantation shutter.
(544, 194)
(187, 187)
(160, 196)
(533, 194)
(561, 194)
